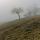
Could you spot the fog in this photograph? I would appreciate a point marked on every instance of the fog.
(6, 7)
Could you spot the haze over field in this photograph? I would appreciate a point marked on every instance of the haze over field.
(6, 7)
(27, 25)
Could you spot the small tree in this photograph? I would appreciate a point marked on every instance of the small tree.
(35, 10)
(28, 14)
(17, 11)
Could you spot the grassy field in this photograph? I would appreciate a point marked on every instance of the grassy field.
(25, 29)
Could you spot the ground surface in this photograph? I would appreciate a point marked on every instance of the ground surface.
(23, 30)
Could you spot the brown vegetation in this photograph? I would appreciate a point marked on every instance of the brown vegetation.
(23, 30)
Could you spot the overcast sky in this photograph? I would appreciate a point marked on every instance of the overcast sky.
(6, 7)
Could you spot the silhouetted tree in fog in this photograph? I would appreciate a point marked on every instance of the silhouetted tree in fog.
(28, 14)
(35, 10)
(17, 11)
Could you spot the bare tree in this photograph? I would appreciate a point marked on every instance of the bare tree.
(17, 11)
(28, 14)
(35, 10)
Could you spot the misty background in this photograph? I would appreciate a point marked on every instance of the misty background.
(6, 6)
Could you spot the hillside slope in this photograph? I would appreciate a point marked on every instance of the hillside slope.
(23, 30)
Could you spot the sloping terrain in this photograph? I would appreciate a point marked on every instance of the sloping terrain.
(22, 30)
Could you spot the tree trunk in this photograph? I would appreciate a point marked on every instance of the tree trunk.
(19, 16)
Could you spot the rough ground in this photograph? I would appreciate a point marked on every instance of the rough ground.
(23, 30)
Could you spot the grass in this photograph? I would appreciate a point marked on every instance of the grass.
(22, 30)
